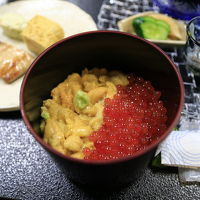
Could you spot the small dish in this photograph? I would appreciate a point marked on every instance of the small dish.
(125, 25)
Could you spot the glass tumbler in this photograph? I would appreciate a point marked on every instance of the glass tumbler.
(192, 47)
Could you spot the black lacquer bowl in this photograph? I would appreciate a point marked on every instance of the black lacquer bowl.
(113, 50)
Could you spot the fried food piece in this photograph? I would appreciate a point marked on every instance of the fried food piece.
(13, 62)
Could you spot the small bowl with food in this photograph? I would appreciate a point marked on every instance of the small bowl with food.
(100, 102)
(158, 28)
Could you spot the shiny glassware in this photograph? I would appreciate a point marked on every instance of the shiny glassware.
(192, 48)
(179, 9)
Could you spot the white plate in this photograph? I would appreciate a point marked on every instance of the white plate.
(69, 16)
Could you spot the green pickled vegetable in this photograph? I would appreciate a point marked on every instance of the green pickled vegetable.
(145, 19)
(163, 24)
(81, 100)
(151, 28)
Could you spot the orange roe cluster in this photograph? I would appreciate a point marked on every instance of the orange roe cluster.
(131, 121)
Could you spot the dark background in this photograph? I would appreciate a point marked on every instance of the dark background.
(28, 172)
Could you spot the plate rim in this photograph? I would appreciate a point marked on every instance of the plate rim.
(8, 109)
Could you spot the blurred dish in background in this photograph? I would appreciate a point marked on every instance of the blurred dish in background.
(175, 30)
(71, 18)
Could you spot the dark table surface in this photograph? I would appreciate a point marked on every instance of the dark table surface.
(28, 172)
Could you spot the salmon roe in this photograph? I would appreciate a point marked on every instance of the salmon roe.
(131, 121)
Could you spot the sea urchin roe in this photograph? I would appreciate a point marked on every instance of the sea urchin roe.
(131, 121)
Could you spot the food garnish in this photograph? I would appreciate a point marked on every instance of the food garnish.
(45, 115)
(81, 100)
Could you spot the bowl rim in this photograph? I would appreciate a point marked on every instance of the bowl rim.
(149, 148)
